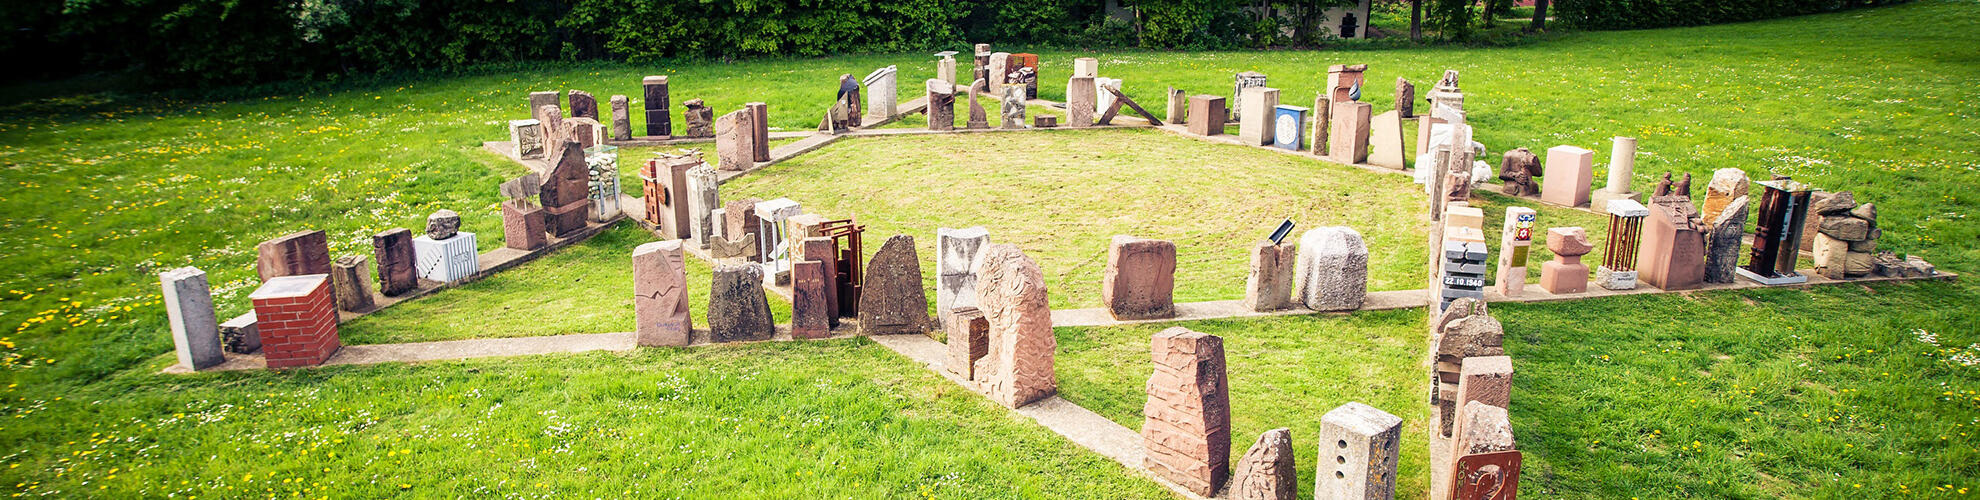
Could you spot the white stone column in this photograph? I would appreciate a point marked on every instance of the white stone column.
(1622, 164)
(189, 306)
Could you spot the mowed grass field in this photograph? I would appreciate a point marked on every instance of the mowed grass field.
(1837, 391)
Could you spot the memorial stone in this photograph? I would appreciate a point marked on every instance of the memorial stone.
(1618, 269)
(1569, 170)
(189, 308)
(1261, 103)
(1722, 243)
(350, 282)
(882, 92)
(297, 320)
(1622, 168)
(1323, 115)
(397, 264)
(1187, 428)
(660, 297)
(527, 136)
(978, 118)
(737, 308)
(522, 224)
(297, 253)
(621, 118)
(1727, 183)
(537, 100)
(1011, 293)
(1333, 269)
(601, 165)
(1359, 449)
(1240, 82)
(891, 299)
(1516, 237)
(554, 130)
(1267, 471)
(1268, 287)
(447, 261)
(703, 199)
(955, 274)
(1079, 107)
(1672, 253)
(1517, 170)
(658, 105)
(941, 105)
(810, 306)
(1463, 271)
(1566, 274)
(443, 224)
(1208, 113)
(1178, 106)
(566, 193)
(945, 68)
(1140, 279)
(969, 341)
(760, 127)
(1344, 82)
(670, 197)
(741, 221)
(583, 105)
(241, 335)
(996, 73)
(698, 118)
(1405, 98)
(1012, 114)
(824, 250)
(1349, 139)
(734, 135)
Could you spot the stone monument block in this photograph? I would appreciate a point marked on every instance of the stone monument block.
(1178, 108)
(660, 297)
(1267, 471)
(1081, 100)
(297, 320)
(522, 226)
(297, 253)
(1332, 272)
(527, 136)
(447, 261)
(189, 308)
(1482, 379)
(1011, 293)
(697, 119)
(583, 105)
(1359, 448)
(1385, 143)
(1207, 115)
(1257, 102)
(1240, 82)
(955, 272)
(398, 271)
(737, 308)
(1187, 428)
(825, 250)
(241, 335)
(760, 127)
(621, 118)
(537, 100)
(1727, 183)
(892, 300)
(969, 341)
(1268, 287)
(1344, 82)
(1566, 273)
(810, 303)
(1672, 255)
(743, 221)
(1569, 170)
(1405, 98)
(659, 106)
(555, 132)
(882, 93)
(1140, 280)
(1722, 241)
(1348, 142)
(703, 199)
(734, 135)
(1515, 238)
(566, 191)
(587, 132)
(350, 281)
(941, 105)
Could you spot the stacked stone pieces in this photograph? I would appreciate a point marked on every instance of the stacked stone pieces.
(1080, 101)
(1332, 273)
(1672, 253)
(1482, 379)
(1257, 102)
(741, 221)
(621, 118)
(660, 297)
(189, 308)
(1187, 429)
(891, 299)
(1463, 273)
(1465, 331)
(350, 279)
(697, 119)
(1566, 274)
(297, 320)
(1515, 238)
(1569, 170)
(527, 137)
(1359, 448)
(969, 341)
(1140, 279)
(737, 308)
(1349, 139)
(1011, 293)
(659, 121)
(398, 271)
(941, 105)
(583, 105)
(1911, 266)
(1268, 287)
(1722, 240)
(242, 334)
(566, 193)
(760, 128)
(1846, 237)
(1209, 113)
(297, 253)
(955, 272)
(1267, 470)
(734, 133)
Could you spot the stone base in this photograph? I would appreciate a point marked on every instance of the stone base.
(1615, 280)
(1784, 280)
(1601, 197)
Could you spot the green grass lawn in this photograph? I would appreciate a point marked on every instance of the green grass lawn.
(1623, 397)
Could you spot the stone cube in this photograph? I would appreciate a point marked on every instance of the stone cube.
(1207, 115)
(446, 261)
(1359, 448)
(1140, 279)
(1569, 169)
(1332, 273)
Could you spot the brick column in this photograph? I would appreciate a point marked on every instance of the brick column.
(297, 320)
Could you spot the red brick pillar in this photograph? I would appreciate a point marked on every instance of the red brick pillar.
(298, 320)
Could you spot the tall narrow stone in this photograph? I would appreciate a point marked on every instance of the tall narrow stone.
(659, 118)
(810, 303)
(1267, 471)
(941, 105)
(734, 135)
(1349, 139)
(1515, 238)
(955, 274)
(350, 280)
(297, 253)
(891, 299)
(969, 341)
(555, 131)
(1187, 428)
(660, 297)
(825, 250)
(1323, 124)
(881, 93)
(189, 307)
(703, 199)
(1268, 287)
(1178, 108)
(566, 192)
(1081, 101)
(1405, 98)
(737, 308)
(1011, 293)
(1140, 280)
(398, 271)
(1622, 166)
(1333, 269)
(621, 118)
(1258, 103)
(1722, 242)
(759, 127)
(1359, 448)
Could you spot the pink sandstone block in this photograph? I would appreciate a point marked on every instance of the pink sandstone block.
(1569, 170)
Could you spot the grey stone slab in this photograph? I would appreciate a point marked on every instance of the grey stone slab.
(189, 306)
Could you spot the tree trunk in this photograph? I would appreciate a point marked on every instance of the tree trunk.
(1416, 20)
(1539, 16)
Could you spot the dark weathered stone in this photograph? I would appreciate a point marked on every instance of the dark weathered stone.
(892, 300)
(811, 306)
(621, 118)
(699, 119)
(565, 194)
(443, 224)
(297, 253)
(398, 270)
(941, 105)
(1405, 98)
(737, 309)
(241, 335)
(1518, 169)
(583, 105)
(759, 126)
(1267, 471)
(1722, 242)
(350, 280)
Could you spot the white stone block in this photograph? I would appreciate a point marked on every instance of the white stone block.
(189, 306)
(449, 260)
(1359, 447)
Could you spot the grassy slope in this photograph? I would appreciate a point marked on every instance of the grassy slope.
(104, 191)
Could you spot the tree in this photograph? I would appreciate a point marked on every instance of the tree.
(1416, 20)
(1539, 16)
(1307, 15)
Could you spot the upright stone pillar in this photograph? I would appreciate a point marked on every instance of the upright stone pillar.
(1722, 242)
(1622, 168)
(1187, 429)
(537, 100)
(760, 130)
(555, 131)
(824, 250)
(735, 135)
(1258, 102)
(945, 68)
(350, 279)
(1323, 123)
(969, 341)
(891, 300)
(703, 199)
(1359, 448)
(1405, 98)
(810, 304)
(1618, 269)
(1349, 140)
(1267, 471)
(189, 307)
(1079, 106)
(659, 119)
(1084, 67)
(955, 274)
(398, 272)
(941, 105)
(997, 72)
(1011, 293)
(566, 193)
(621, 118)
(583, 105)
(1178, 108)
(1515, 237)
(1268, 287)
(660, 298)
(665, 177)
(1140, 280)
(1333, 269)
(882, 94)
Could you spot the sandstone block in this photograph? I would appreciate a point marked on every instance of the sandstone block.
(969, 341)
(398, 272)
(811, 306)
(1208, 115)
(660, 298)
(1569, 171)
(1267, 471)
(297, 253)
(1011, 293)
(350, 280)
(1268, 287)
(1187, 425)
(1140, 280)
